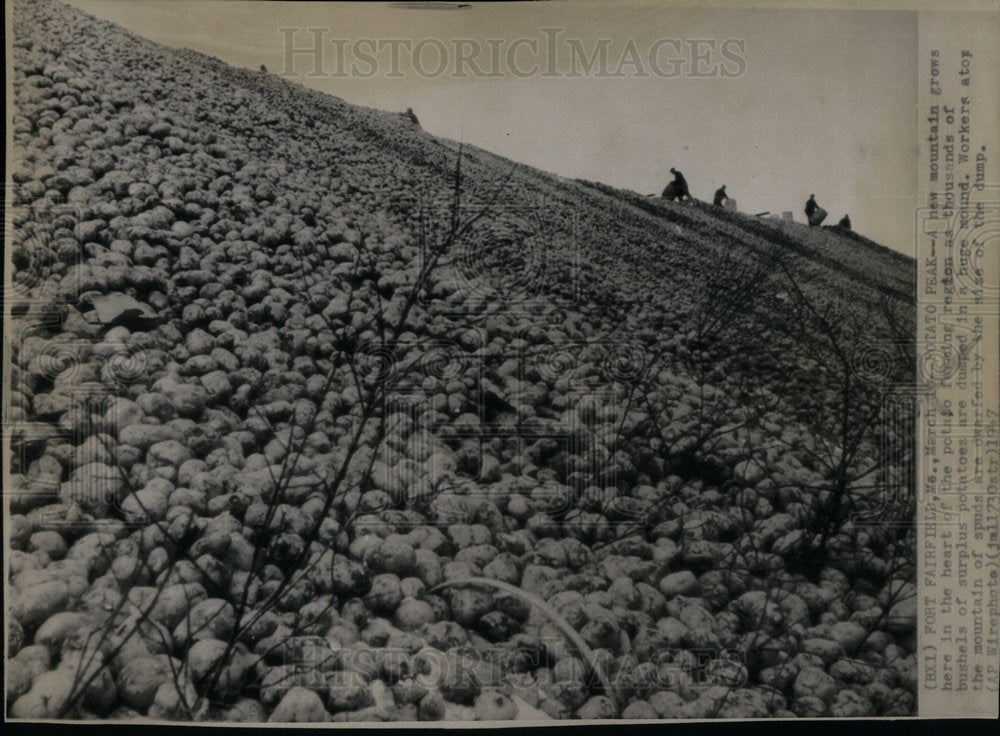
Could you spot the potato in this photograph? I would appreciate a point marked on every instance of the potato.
(411, 614)
(177, 700)
(139, 679)
(36, 604)
(494, 706)
(49, 697)
(431, 706)
(599, 707)
(384, 595)
(300, 705)
(469, 604)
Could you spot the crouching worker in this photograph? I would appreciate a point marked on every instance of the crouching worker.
(720, 196)
(678, 188)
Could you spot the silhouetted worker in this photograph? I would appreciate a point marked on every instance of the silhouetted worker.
(412, 117)
(814, 213)
(720, 196)
(680, 185)
(845, 222)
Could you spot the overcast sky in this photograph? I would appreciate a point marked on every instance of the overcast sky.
(788, 103)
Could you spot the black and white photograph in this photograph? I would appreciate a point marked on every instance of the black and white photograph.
(413, 362)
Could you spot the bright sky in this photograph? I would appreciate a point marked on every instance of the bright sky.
(823, 102)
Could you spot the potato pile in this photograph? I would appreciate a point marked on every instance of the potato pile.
(207, 265)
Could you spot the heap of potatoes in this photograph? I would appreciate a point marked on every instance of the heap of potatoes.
(203, 259)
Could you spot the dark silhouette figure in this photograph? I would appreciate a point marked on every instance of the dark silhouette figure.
(811, 205)
(720, 196)
(845, 222)
(814, 213)
(678, 188)
(681, 183)
(411, 116)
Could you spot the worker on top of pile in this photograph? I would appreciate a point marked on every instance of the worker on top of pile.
(814, 213)
(720, 196)
(680, 184)
(845, 222)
